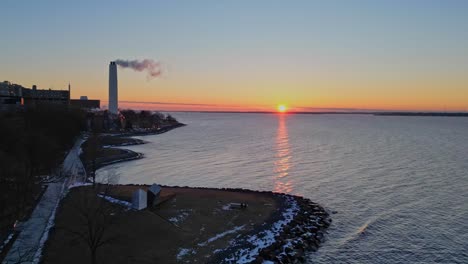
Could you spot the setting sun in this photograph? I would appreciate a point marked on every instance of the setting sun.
(282, 108)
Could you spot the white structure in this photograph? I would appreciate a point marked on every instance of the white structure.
(113, 96)
(139, 199)
(153, 194)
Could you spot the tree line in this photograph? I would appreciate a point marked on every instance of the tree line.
(144, 119)
(33, 142)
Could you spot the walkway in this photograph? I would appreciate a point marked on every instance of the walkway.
(27, 247)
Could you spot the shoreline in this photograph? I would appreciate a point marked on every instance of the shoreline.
(113, 145)
(303, 232)
(274, 227)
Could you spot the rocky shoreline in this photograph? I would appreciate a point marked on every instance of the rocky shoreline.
(296, 228)
(304, 233)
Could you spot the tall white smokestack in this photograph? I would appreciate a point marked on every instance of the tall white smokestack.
(113, 98)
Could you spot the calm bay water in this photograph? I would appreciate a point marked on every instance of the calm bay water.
(399, 185)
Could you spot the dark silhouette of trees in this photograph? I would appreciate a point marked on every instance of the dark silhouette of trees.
(32, 143)
(170, 119)
(146, 119)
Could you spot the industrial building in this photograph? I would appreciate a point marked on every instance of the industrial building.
(10, 96)
(34, 96)
(85, 103)
(14, 96)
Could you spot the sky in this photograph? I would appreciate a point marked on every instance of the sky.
(245, 55)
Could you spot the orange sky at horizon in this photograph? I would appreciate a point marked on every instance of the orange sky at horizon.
(238, 56)
(297, 98)
(168, 94)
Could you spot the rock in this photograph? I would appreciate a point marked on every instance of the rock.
(319, 236)
(258, 260)
(266, 253)
(313, 247)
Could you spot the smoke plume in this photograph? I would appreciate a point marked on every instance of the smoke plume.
(150, 66)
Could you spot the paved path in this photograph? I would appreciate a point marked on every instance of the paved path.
(72, 166)
(27, 247)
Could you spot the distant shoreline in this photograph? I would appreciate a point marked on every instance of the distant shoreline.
(428, 114)
(112, 144)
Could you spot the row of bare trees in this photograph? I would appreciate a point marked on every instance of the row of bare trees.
(33, 142)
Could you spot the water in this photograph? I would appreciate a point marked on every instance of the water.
(399, 185)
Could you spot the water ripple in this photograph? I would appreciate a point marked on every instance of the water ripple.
(399, 184)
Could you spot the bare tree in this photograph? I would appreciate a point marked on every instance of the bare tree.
(93, 146)
(93, 218)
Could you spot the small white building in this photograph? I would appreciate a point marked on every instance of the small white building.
(139, 199)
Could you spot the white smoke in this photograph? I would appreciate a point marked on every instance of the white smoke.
(150, 66)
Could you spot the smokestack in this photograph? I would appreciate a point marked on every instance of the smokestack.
(113, 100)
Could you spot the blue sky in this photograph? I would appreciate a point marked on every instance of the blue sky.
(241, 51)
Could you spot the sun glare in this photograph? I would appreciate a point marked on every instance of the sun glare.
(282, 108)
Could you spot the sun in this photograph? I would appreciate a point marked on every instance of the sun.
(282, 108)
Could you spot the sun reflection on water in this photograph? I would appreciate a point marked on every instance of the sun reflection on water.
(283, 183)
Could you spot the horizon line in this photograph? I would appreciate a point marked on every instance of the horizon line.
(300, 109)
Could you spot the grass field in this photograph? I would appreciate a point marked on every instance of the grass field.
(190, 226)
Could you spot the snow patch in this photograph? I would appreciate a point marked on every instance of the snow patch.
(116, 201)
(78, 184)
(218, 236)
(7, 240)
(265, 238)
(181, 217)
(184, 252)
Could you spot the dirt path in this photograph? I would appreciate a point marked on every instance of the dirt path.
(27, 248)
